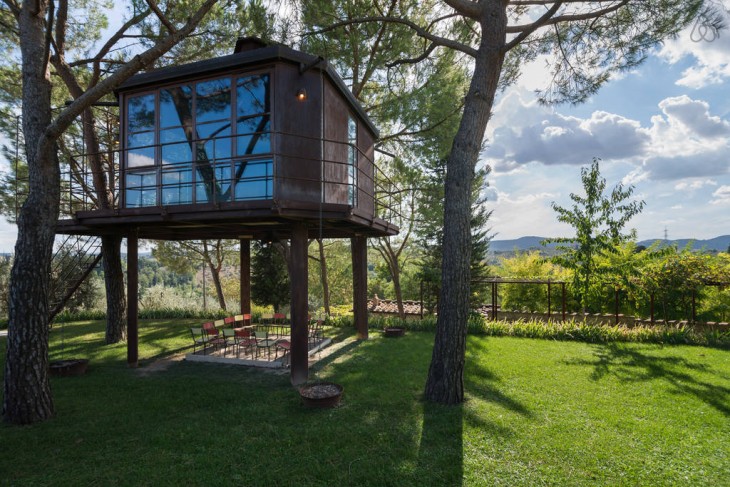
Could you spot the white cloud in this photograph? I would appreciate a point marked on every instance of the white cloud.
(711, 55)
(525, 132)
(683, 140)
(694, 185)
(721, 196)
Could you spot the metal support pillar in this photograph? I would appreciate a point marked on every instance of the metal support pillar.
(245, 277)
(132, 300)
(360, 285)
(298, 278)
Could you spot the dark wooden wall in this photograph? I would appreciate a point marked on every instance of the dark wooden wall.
(297, 141)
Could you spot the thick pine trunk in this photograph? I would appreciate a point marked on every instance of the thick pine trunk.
(116, 301)
(445, 383)
(27, 393)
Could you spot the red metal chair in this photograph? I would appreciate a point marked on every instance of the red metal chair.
(244, 339)
(213, 334)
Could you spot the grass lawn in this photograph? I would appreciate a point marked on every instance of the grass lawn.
(538, 412)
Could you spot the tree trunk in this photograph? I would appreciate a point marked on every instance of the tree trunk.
(215, 273)
(445, 383)
(116, 301)
(395, 274)
(27, 393)
(323, 277)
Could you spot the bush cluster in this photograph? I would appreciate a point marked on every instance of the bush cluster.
(560, 330)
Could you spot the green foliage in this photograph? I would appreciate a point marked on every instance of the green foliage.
(269, 276)
(681, 277)
(570, 330)
(529, 297)
(430, 232)
(598, 220)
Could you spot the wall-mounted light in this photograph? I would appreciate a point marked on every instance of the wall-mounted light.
(302, 94)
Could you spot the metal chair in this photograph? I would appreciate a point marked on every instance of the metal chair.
(200, 339)
(263, 341)
(244, 339)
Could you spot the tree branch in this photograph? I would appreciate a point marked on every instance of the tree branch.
(163, 19)
(420, 32)
(533, 27)
(67, 116)
(111, 42)
(470, 9)
(13, 7)
(516, 29)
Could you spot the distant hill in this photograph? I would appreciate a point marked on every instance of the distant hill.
(719, 244)
(522, 243)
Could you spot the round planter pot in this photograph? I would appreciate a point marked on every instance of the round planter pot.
(69, 367)
(321, 394)
(394, 331)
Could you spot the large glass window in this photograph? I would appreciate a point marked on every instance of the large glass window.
(141, 131)
(206, 133)
(141, 189)
(252, 115)
(176, 125)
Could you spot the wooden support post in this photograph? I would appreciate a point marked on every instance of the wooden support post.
(245, 277)
(298, 278)
(550, 309)
(617, 305)
(360, 285)
(651, 308)
(132, 300)
(562, 285)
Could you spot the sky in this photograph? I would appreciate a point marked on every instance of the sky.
(663, 128)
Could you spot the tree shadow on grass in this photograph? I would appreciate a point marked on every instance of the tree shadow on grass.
(441, 448)
(630, 364)
(485, 384)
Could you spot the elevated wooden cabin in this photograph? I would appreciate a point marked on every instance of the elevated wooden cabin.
(242, 145)
(266, 143)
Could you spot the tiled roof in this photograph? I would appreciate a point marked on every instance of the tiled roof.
(389, 306)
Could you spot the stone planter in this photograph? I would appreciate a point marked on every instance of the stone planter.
(321, 394)
(394, 331)
(68, 367)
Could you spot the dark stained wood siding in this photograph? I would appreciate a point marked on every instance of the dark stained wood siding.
(297, 145)
(365, 166)
(335, 146)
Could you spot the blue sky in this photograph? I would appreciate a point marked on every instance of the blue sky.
(663, 128)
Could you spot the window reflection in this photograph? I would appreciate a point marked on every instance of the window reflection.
(213, 100)
(141, 113)
(141, 189)
(199, 131)
(176, 106)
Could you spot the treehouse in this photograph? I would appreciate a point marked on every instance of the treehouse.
(242, 145)
(267, 143)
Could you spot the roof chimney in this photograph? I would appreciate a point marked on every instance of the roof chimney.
(244, 44)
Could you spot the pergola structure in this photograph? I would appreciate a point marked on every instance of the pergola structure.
(267, 143)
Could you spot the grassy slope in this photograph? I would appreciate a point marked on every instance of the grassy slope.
(538, 412)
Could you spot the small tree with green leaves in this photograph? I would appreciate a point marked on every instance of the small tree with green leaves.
(269, 276)
(599, 220)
